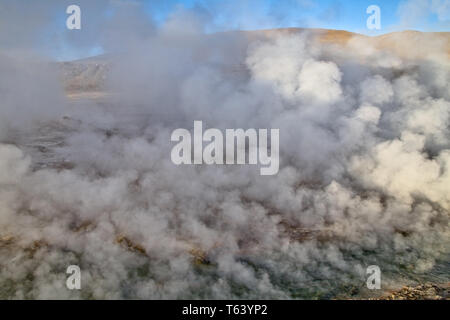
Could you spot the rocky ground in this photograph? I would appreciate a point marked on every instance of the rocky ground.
(90, 75)
(427, 291)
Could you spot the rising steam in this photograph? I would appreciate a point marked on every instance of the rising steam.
(364, 174)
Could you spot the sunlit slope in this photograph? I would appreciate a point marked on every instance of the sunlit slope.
(90, 75)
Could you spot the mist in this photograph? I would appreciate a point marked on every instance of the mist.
(363, 179)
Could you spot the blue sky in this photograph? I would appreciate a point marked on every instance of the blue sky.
(422, 15)
(331, 14)
(45, 20)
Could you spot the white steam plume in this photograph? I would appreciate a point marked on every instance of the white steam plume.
(364, 174)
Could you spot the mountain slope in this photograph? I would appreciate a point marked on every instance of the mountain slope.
(89, 75)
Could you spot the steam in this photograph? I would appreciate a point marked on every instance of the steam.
(364, 174)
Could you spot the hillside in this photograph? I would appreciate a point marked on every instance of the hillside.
(89, 75)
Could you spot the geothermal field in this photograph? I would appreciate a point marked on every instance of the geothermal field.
(86, 176)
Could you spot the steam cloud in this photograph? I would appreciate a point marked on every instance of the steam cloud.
(364, 174)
